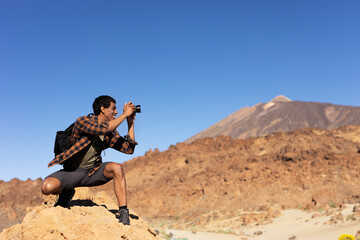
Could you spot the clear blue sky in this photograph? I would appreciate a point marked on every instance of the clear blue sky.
(188, 63)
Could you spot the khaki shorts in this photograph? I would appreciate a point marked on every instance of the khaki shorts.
(80, 177)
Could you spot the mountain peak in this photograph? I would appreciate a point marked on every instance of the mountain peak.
(281, 98)
(281, 115)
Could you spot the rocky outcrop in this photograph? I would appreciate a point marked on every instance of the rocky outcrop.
(88, 218)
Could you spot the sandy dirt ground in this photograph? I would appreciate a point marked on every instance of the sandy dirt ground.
(292, 224)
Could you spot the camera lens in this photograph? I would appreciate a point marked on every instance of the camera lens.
(138, 109)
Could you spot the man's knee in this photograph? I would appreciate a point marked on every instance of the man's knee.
(117, 169)
(50, 186)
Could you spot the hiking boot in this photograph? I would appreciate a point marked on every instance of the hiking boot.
(124, 216)
(64, 198)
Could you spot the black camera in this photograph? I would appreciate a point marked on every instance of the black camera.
(138, 109)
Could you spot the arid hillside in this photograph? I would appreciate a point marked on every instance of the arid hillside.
(281, 115)
(303, 168)
(195, 182)
(15, 197)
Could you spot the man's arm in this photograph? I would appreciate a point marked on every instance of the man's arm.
(127, 144)
(124, 144)
(130, 122)
(85, 125)
(128, 110)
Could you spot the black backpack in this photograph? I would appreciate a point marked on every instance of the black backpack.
(62, 140)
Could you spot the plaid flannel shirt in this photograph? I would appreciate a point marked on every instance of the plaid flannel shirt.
(85, 128)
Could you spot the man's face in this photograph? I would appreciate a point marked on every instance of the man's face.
(110, 112)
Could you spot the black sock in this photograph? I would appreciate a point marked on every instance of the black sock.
(123, 207)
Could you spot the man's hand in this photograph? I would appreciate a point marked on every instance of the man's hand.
(129, 109)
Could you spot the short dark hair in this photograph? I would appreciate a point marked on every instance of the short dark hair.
(102, 101)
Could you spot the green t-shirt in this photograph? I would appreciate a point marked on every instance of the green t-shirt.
(85, 158)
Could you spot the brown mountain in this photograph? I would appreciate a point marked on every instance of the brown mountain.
(281, 115)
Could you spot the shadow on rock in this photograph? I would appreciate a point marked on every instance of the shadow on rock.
(83, 203)
(90, 203)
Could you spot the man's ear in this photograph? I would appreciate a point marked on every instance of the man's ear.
(102, 109)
